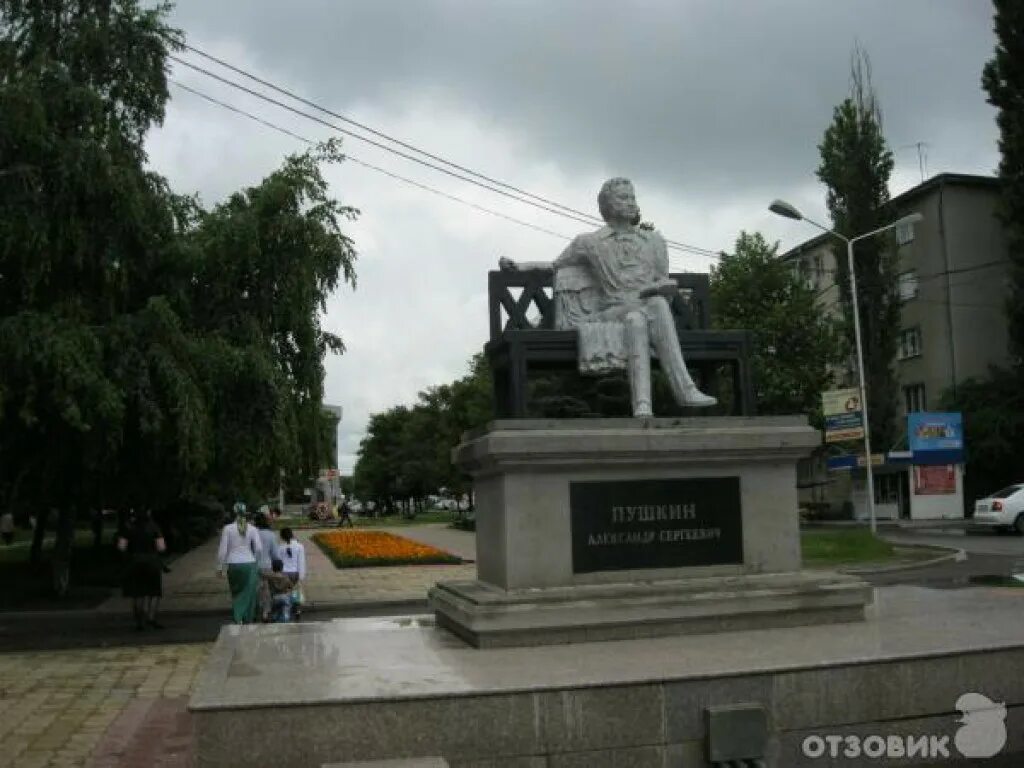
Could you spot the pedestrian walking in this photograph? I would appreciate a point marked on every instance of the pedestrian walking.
(267, 556)
(7, 528)
(345, 515)
(143, 544)
(238, 553)
(293, 559)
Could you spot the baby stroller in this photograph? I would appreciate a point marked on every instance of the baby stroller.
(282, 608)
(285, 597)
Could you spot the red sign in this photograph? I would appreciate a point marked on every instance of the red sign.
(934, 480)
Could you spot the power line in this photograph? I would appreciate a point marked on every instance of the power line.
(363, 163)
(566, 211)
(292, 95)
(379, 134)
(371, 142)
(371, 166)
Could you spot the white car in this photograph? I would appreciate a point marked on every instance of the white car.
(1002, 509)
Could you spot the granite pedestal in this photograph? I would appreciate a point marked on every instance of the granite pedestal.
(597, 529)
(303, 695)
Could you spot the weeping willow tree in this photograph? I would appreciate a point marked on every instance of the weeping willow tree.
(149, 348)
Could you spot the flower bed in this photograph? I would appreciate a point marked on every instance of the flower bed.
(359, 549)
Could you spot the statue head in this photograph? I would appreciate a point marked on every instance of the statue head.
(617, 201)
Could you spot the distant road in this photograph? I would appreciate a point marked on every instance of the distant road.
(982, 543)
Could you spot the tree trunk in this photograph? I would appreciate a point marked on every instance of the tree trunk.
(62, 550)
(97, 528)
(38, 533)
(12, 497)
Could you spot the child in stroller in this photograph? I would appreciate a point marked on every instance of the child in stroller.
(281, 593)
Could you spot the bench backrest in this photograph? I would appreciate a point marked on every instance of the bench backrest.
(526, 300)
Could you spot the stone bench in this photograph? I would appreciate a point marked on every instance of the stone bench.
(522, 338)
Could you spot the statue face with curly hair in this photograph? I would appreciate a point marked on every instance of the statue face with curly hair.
(617, 202)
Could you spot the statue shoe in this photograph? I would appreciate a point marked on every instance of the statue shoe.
(697, 399)
(643, 411)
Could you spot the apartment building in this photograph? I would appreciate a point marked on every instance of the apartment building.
(953, 283)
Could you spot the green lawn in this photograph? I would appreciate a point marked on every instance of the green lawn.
(18, 551)
(845, 546)
(95, 573)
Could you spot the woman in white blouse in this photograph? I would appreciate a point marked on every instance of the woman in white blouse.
(239, 552)
(293, 555)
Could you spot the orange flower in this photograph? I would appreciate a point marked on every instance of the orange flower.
(356, 548)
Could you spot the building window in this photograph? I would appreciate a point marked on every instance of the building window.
(910, 343)
(908, 285)
(913, 397)
(904, 234)
(803, 271)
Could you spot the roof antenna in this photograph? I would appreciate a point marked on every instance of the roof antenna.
(922, 156)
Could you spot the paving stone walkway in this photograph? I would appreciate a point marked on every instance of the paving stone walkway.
(127, 707)
(98, 708)
(193, 584)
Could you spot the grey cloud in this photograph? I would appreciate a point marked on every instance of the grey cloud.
(712, 106)
(709, 98)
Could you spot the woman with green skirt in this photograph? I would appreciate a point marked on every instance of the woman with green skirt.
(239, 551)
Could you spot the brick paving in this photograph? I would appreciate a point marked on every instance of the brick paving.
(127, 707)
(98, 708)
(193, 584)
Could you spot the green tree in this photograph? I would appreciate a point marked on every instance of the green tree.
(1003, 79)
(993, 408)
(151, 349)
(378, 470)
(268, 258)
(464, 405)
(406, 452)
(855, 167)
(84, 232)
(797, 346)
(993, 411)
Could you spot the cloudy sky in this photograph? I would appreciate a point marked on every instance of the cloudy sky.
(712, 107)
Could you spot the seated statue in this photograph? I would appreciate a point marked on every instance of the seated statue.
(611, 286)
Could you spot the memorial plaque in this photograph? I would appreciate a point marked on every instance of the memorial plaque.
(636, 524)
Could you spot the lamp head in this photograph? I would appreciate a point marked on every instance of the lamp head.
(782, 208)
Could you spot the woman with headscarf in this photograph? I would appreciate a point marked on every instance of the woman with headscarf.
(143, 543)
(240, 548)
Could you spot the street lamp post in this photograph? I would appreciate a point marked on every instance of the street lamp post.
(783, 208)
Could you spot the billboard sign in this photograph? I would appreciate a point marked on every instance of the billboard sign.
(844, 418)
(936, 438)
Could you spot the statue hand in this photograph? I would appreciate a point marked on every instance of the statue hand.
(507, 265)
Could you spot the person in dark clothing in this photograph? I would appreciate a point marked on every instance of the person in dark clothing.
(345, 515)
(143, 544)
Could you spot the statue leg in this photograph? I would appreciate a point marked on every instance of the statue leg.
(666, 342)
(638, 347)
